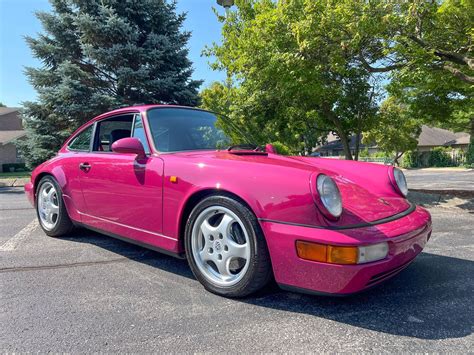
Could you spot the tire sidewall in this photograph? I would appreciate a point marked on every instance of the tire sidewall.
(61, 215)
(244, 214)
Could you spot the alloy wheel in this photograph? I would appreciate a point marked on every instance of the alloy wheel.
(220, 246)
(48, 205)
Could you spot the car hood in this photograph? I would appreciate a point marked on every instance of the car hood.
(363, 200)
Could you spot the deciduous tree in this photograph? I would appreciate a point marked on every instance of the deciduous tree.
(297, 70)
(396, 131)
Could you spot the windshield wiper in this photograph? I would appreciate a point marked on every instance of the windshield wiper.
(244, 147)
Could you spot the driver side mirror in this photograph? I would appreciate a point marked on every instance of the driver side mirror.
(129, 146)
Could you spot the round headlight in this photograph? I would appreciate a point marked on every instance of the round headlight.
(329, 194)
(400, 181)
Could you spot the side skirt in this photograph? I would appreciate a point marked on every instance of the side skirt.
(181, 256)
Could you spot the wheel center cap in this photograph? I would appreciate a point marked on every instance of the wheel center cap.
(217, 245)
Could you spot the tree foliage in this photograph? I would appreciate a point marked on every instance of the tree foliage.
(302, 68)
(427, 47)
(98, 55)
(396, 131)
(296, 70)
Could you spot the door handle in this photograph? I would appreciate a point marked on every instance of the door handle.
(84, 166)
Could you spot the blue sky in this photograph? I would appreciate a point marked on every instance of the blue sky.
(17, 20)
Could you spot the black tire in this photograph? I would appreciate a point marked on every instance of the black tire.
(259, 271)
(63, 224)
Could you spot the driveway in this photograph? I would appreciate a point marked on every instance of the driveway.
(91, 293)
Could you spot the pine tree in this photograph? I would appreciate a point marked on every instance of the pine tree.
(98, 55)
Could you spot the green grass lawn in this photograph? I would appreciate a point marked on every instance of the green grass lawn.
(15, 175)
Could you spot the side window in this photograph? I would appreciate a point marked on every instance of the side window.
(139, 132)
(82, 141)
(110, 130)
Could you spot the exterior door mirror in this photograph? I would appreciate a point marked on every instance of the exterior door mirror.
(129, 146)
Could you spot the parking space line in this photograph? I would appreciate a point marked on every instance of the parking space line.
(13, 242)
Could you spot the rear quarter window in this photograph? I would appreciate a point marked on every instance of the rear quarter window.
(82, 141)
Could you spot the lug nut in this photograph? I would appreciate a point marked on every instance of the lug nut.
(211, 251)
(226, 248)
(219, 257)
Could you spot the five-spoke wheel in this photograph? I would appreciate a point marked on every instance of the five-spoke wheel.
(50, 208)
(220, 245)
(48, 205)
(226, 248)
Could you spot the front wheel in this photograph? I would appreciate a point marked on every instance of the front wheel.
(225, 247)
(50, 208)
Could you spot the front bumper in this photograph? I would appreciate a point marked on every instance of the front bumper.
(406, 238)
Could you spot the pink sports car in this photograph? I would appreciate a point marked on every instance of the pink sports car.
(168, 178)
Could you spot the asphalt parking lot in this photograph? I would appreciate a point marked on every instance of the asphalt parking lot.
(439, 179)
(91, 293)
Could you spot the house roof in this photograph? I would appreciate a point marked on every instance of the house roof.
(463, 139)
(433, 136)
(8, 136)
(429, 137)
(5, 110)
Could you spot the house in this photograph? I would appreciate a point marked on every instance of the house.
(334, 147)
(11, 128)
(430, 137)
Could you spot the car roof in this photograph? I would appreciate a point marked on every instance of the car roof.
(138, 108)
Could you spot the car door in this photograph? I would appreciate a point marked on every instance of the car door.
(68, 173)
(123, 194)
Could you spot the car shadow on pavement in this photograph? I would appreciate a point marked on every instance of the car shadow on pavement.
(431, 299)
(132, 252)
(430, 200)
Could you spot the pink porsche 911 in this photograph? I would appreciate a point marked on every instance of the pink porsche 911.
(168, 178)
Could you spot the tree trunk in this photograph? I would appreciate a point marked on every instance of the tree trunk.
(339, 130)
(397, 156)
(357, 145)
(471, 140)
(345, 144)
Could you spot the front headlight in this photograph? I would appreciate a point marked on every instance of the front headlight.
(329, 195)
(401, 181)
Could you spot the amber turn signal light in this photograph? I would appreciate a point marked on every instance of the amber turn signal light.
(327, 253)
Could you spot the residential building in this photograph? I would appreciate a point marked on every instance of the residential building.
(11, 128)
(430, 137)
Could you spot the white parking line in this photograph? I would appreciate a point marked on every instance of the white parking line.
(13, 242)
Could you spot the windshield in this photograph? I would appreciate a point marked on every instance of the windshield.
(181, 129)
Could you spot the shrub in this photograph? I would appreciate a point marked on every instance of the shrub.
(409, 160)
(282, 148)
(364, 153)
(14, 167)
(470, 154)
(440, 157)
(381, 155)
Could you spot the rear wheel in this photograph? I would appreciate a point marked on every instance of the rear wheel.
(225, 247)
(50, 208)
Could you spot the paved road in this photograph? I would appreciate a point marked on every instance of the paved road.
(88, 293)
(440, 180)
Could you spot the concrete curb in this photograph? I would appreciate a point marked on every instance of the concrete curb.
(14, 182)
